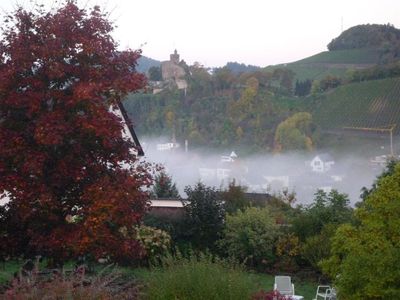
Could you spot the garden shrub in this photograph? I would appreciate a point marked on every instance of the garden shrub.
(288, 245)
(317, 247)
(155, 242)
(316, 223)
(287, 250)
(250, 236)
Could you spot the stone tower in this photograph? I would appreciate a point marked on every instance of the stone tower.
(173, 73)
(174, 57)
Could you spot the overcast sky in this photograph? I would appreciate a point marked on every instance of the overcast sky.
(213, 32)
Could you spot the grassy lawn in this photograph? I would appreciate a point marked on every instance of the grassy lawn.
(8, 269)
(260, 281)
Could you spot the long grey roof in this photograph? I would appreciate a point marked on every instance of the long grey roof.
(130, 127)
(325, 157)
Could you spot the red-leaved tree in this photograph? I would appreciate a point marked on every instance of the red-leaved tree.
(62, 156)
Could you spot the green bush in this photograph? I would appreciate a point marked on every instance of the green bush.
(250, 236)
(318, 247)
(155, 242)
(287, 250)
(327, 208)
(198, 277)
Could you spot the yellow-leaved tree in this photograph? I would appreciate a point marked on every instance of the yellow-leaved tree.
(295, 133)
(365, 258)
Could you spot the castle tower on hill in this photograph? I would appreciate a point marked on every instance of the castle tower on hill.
(174, 57)
(172, 72)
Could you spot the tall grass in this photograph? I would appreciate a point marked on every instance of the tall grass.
(57, 284)
(198, 277)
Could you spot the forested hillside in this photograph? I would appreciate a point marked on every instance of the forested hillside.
(356, 84)
(145, 63)
(219, 110)
(385, 37)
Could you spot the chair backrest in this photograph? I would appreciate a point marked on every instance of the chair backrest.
(283, 284)
(332, 295)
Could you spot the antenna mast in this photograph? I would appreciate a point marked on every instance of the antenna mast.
(390, 128)
(341, 25)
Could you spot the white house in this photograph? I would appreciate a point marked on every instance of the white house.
(322, 163)
(209, 174)
(223, 174)
(380, 160)
(167, 146)
(230, 158)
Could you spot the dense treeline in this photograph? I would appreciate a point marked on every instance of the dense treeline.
(302, 88)
(386, 38)
(217, 109)
(237, 68)
(365, 36)
(376, 72)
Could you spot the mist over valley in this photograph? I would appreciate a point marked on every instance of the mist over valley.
(346, 171)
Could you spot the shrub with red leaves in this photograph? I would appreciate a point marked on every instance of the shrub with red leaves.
(270, 295)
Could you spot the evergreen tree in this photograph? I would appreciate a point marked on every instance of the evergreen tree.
(205, 215)
(164, 187)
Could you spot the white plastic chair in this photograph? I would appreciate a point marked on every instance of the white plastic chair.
(284, 285)
(325, 292)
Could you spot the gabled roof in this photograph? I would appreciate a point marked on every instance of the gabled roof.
(132, 133)
(172, 203)
(324, 157)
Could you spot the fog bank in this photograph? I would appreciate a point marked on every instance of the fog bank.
(302, 173)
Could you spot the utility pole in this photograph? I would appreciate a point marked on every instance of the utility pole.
(341, 19)
(391, 141)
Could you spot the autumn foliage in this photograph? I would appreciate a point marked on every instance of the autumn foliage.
(62, 155)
